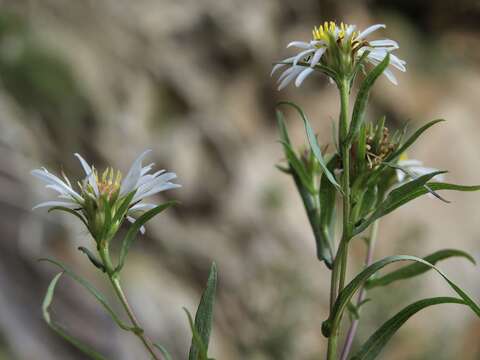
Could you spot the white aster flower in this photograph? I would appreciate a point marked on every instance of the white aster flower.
(99, 197)
(336, 49)
(413, 169)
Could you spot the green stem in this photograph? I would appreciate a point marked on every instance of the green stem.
(340, 264)
(361, 294)
(115, 281)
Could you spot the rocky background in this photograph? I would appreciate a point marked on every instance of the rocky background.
(190, 79)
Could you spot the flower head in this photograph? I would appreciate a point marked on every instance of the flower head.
(335, 50)
(104, 201)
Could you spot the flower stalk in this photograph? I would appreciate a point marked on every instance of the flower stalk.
(341, 258)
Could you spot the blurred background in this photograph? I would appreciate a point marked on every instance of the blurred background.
(190, 80)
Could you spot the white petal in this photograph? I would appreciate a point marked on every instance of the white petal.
(56, 203)
(146, 169)
(384, 43)
(301, 55)
(369, 30)
(303, 75)
(286, 73)
(130, 182)
(295, 71)
(154, 183)
(389, 74)
(299, 44)
(54, 180)
(142, 207)
(409, 163)
(349, 32)
(157, 189)
(132, 220)
(276, 67)
(88, 171)
(317, 56)
(86, 167)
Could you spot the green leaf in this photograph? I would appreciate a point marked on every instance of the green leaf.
(91, 289)
(297, 166)
(47, 301)
(70, 211)
(96, 262)
(324, 251)
(135, 228)
(411, 140)
(398, 197)
(204, 317)
(163, 351)
(378, 340)
(312, 140)
(358, 113)
(196, 339)
(349, 291)
(415, 269)
(327, 197)
(123, 208)
(108, 218)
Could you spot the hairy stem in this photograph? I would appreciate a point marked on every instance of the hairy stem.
(361, 294)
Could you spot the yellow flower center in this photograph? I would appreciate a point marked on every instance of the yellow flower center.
(109, 183)
(328, 29)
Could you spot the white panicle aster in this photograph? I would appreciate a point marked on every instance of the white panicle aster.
(107, 196)
(413, 169)
(335, 50)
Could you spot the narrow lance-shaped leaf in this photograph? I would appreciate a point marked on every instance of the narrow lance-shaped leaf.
(349, 291)
(297, 166)
(416, 269)
(312, 140)
(91, 289)
(204, 318)
(415, 193)
(123, 208)
(327, 199)
(70, 211)
(47, 301)
(378, 340)
(135, 228)
(324, 251)
(358, 113)
(397, 198)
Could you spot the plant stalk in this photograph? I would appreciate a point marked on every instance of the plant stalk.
(340, 263)
(115, 281)
(361, 294)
